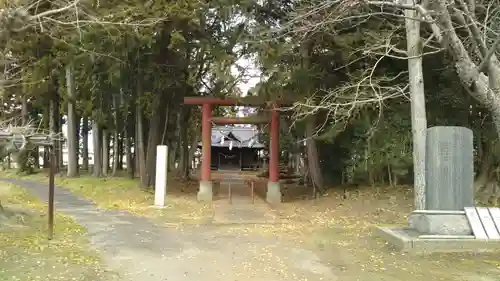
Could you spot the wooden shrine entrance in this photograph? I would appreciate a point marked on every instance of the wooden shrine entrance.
(273, 194)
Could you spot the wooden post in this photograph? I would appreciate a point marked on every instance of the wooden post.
(52, 172)
(252, 186)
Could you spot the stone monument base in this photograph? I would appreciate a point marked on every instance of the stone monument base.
(410, 240)
(436, 231)
(440, 222)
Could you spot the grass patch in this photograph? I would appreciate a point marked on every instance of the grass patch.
(124, 194)
(25, 252)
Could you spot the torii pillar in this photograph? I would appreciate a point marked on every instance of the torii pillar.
(205, 192)
(273, 194)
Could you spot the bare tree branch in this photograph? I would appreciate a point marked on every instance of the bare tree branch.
(487, 59)
(19, 136)
(55, 11)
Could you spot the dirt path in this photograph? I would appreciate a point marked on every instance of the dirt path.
(326, 240)
(140, 250)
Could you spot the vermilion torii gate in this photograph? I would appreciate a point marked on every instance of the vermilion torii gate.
(273, 194)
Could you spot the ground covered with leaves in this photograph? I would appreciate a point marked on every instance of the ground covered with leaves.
(25, 252)
(338, 227)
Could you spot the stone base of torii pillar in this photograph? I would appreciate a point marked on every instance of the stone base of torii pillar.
(205, 192)
(273, 195)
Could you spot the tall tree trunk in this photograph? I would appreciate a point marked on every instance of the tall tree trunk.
(116, 147)
(368, 163)
(174, 144)
(36, 154)
(137, 164)
(24, 110)
(139, 147)
(127, 143)
(105, 152)
(96, 138)
(116, 153)
(369, 169)
(165, 138)
(85, 143)
(194, 145)
(418, 112)
(71, 124)
(487, 150)
(311, 146)
(54, 126)
(46, 124)
(121, 152)
(312, 154)
(61, 144)
(78, 127)
(128, 155)
(184, 158)
(25, 120)
(154, 139)
(185, 162)
(46, 156)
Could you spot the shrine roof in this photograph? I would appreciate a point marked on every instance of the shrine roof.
(239, 136)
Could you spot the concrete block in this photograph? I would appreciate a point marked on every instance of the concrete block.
(407, 240)
(440, 224)
(400, 241)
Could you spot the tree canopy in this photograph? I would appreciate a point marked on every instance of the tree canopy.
(120, 70)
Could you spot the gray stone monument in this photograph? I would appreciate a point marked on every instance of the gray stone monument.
(449, 168)
(449, 180)
(443, 225)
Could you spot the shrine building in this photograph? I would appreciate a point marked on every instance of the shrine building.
(235, 148)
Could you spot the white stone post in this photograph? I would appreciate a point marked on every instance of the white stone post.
(161, 175)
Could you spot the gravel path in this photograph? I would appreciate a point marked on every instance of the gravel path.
(138, 249)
